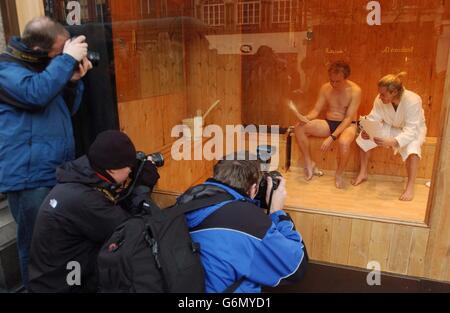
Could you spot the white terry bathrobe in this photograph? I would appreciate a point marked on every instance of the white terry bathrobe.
(406, 125)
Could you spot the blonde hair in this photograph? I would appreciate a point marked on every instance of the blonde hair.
(393, 82)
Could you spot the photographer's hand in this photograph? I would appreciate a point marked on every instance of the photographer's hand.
(83, 68)
(76, 48)
(149, 175)
(279, 195)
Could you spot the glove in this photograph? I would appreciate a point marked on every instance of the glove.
(140, 201)
(149, 176)
(76, 48)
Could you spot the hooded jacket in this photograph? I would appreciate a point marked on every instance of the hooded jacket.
(75, 219)
(33, 143)
(237, 239)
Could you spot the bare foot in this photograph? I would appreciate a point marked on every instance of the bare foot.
(359, 180)
(339, 181)
(408, 194)
(309, 171)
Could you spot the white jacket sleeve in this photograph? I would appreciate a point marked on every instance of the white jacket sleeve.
(376, 114)
(411, 130)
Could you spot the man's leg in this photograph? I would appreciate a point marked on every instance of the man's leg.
(317, 128)
(364, 162)
(345, 140)
(24, 206)
(412, 165)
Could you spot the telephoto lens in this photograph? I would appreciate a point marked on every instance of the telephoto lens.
(157, 158)
(94, 57)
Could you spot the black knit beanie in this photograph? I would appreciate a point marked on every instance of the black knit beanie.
(112, 150)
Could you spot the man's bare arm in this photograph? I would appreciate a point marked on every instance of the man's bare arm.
(351, 112)
(320, 104)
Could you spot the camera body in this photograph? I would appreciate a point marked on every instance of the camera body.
(262, 191)
(264, 154)
(92, 56)
(141, 158)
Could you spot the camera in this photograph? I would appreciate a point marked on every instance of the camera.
(264, 154)
(92, 56)
(157, 158)
(141, 158)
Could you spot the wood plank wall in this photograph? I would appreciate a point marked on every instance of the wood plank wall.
(28, 9)
(438, 251)
(353, 242)
(210, 77)
(165, 72)
(150, 77)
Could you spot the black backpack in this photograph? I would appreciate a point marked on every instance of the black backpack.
(154, 252)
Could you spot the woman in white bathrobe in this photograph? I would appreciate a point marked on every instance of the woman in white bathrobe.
(404, 129)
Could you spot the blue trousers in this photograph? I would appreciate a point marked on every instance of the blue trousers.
(24, 206)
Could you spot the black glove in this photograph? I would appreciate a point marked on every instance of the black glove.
(149, 176)
(140, 201)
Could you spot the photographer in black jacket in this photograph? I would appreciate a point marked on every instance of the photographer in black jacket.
(82, 211)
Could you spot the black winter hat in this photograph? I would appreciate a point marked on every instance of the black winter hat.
(112, 150)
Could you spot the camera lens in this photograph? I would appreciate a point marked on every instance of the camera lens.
(94, 57)
(157, 158)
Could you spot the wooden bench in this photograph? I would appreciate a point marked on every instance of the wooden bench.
(382, 162)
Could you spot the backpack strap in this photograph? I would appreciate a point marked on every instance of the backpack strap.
(179, 209)
(193, 205)
(232, 288)
(229, 190)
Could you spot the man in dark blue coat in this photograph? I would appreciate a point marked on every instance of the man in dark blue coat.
(40, 89)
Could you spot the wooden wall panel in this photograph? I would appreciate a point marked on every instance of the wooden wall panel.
(379, 245)
(354, 242)
(437, 259)
(27, 10)
(322, 230)
(304, 223)
(340, 240)
(150, 77)
(400, 249)
(210, 77)
(124, 16)
(359, 243)
(149, 121)
(417, 252)
(178, 175)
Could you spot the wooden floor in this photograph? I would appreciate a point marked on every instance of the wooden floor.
(376, 199)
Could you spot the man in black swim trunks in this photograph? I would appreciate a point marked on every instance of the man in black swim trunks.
(342, 97)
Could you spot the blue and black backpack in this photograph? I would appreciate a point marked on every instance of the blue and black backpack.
(153, 251)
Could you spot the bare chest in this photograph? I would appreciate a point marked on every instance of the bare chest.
(339, 101)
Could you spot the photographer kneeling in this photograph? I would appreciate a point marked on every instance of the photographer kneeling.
(242, 248)
(82, 211)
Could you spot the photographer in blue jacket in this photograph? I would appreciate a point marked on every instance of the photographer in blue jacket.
(40, 89)
(241, 247)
